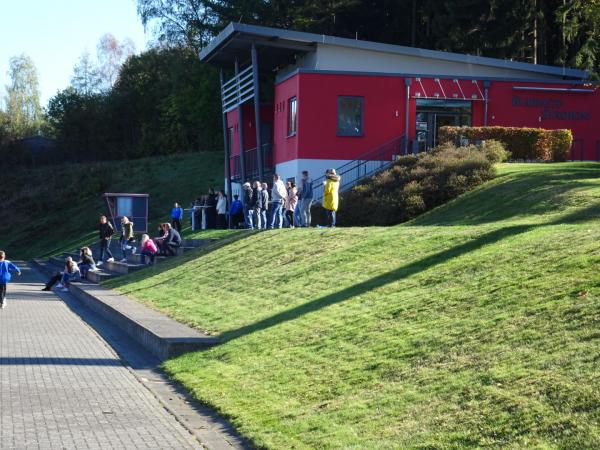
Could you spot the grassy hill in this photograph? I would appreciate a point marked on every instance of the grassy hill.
(476, 325)
(56, 208)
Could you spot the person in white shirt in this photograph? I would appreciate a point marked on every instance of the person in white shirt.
(278, 197)
(221, 210)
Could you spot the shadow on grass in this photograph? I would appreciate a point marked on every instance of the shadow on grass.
(403, 272)
(511, 195)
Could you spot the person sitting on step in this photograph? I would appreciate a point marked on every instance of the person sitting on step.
(162, 235)
(86, 261)
(172, 242)
(66, 277)
(147, 248)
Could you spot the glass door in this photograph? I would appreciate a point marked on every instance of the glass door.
(433, 114)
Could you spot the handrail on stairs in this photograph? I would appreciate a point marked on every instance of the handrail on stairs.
(366, 165)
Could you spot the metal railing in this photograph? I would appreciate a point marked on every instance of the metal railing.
(237, 90)
(367, 165)
(251, 160)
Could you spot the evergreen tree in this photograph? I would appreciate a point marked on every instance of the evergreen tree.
(86, 77)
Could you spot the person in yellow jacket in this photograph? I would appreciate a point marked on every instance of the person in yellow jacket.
(331, 196)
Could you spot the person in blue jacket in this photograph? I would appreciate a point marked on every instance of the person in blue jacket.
(5, 268)
(176, 217)
(236, 212)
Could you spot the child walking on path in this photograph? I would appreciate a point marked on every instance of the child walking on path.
(5, 268)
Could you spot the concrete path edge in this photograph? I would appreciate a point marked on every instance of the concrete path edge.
(214, 432)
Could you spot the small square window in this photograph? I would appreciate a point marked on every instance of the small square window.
(350, 116)
(292, 116)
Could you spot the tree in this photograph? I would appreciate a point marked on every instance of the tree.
(164, 102)
(111, 56)
(4, 135)
(85, 79)
(189, 23)
(81, 125)
(23, 110)
(580, 20)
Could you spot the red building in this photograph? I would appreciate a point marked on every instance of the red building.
(356, 105)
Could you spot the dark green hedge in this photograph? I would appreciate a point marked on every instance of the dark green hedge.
(531, 144)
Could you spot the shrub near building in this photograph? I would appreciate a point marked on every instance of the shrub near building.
(529, 144)
(415, 184)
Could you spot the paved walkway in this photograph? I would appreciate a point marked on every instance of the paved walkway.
(63, 387)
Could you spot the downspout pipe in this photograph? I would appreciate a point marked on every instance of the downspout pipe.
(407, 83)
(486, 88)
(240, 126)
(256, 83)
(227, 152)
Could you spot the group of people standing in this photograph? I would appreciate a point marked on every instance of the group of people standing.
(262, 207)
(284, 204)
(208, 212)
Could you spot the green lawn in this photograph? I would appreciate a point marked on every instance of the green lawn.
(476, 325)
(54, 209)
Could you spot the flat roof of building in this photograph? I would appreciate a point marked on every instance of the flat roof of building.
(284, 45)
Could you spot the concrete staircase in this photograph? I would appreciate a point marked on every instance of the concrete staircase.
(116, 268)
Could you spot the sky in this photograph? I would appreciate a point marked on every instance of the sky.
(54, 33)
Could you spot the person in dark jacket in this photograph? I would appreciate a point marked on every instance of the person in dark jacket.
(106, 231)
(6, 267)
(127, 237)
(172, 242)
(257, 200)
(86, 261)
(249, 202)
(211, 209)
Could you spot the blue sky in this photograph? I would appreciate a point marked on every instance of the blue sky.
(55, 33)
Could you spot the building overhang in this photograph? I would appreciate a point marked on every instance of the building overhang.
(276, 49)
(280, 48)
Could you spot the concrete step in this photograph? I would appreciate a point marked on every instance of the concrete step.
(98, 276)
(57, 261)
(182, 250)
(195, 243)
(122, 268)
(45, 266)
(161, 335)
(136, 258)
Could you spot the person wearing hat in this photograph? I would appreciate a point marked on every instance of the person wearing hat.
(331, 196)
